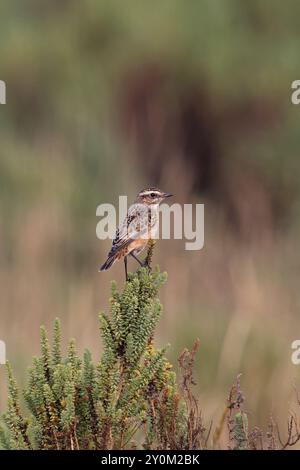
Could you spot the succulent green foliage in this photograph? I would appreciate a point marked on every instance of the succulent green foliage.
(241, 430)
(15, 435)
(237, 418)
(75, 404)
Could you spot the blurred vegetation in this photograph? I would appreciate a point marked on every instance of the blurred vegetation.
(104, 98)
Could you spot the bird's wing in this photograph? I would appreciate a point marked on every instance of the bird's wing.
(130, 229)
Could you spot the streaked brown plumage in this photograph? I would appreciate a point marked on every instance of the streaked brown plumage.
(136, 230)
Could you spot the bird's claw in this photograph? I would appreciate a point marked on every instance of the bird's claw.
(146, 264)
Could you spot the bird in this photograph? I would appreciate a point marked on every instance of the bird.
(137, 229)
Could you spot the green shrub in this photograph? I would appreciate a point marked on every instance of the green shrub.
(128, 399)
(132, 397)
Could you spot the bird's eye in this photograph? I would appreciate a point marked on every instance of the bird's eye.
(153, 195)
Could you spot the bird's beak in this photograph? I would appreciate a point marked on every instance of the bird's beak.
(168, 194)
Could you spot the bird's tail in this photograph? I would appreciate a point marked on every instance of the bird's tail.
(108, 263)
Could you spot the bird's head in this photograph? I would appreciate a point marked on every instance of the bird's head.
(152, 196)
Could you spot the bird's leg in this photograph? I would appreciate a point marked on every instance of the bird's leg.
(125, 264)
(136, 258)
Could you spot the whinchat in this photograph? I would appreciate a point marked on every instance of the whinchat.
(139, 226)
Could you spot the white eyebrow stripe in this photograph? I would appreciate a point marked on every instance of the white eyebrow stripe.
(147, 193)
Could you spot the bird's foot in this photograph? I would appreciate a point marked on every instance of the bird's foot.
(146, 264)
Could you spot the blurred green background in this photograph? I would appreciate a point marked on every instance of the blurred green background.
(106, 97)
